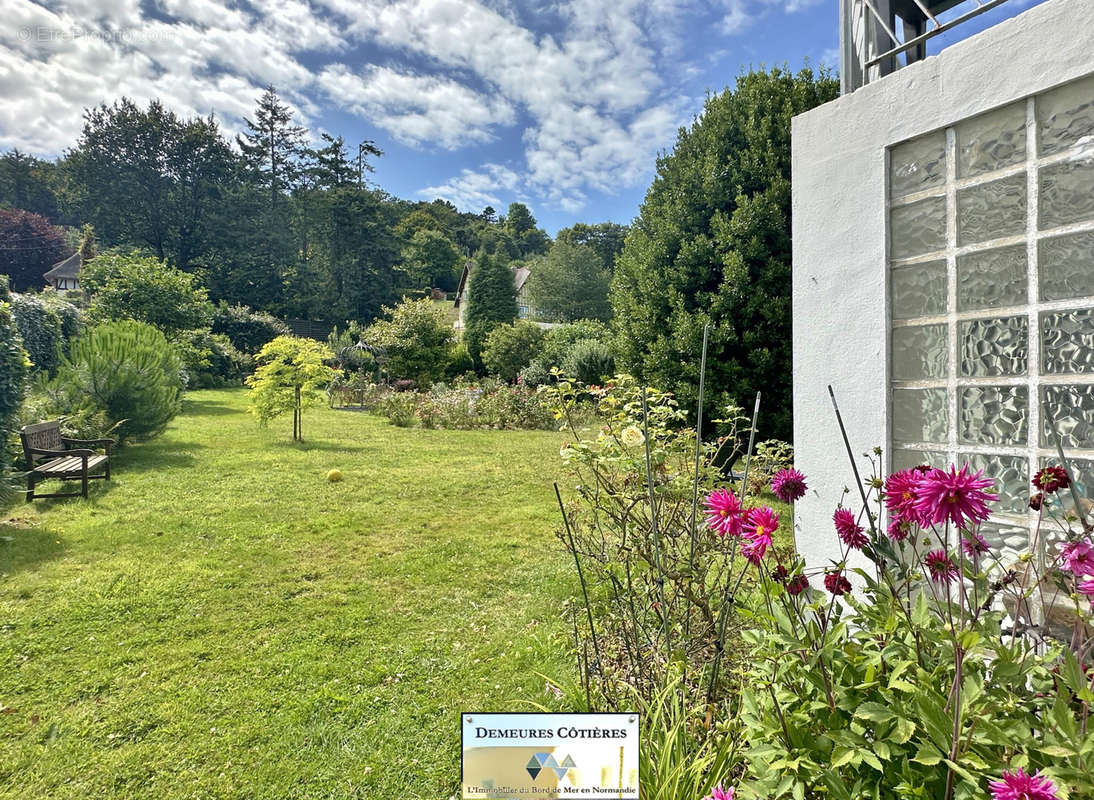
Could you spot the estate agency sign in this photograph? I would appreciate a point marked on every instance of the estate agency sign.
(527, 756)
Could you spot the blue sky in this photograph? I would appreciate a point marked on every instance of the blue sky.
(560, 104)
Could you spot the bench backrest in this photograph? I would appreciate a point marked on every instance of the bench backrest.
(41, 436)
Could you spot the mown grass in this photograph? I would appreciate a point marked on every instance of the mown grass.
(220, 621)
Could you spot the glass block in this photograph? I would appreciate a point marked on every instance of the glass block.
(992, 278)
(992, 414)
(1066, 266)
(918, 228)
(992, 141)
(920, 415)
(918, 290)
(995, 346)
(1067, 342)
(919, 352)
(1011, 477)
(1065, 116)
(917, 165)
(1067, 193)
(1007, 542)
(906, 459)
(992, 210)
(1072, 408)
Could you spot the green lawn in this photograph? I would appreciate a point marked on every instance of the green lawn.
(220, 621)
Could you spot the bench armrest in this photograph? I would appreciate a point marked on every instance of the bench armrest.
(106, 444)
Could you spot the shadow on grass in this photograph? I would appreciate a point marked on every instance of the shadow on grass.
(24, 546)
(208, 408)
(322, 444)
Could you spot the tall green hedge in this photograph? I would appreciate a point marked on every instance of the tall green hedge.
(13, 373)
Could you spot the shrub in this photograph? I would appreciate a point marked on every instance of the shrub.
(510, 347)
(400, 408)
(212, 361)
(343, 343)
(40, 329)
(560, 340)
(416, 340)
(590, 361)
(535, 374)
(459, 361)
(770, 456)
(13, 371)
(247, 329)
(491, 300)
(291, 376)
(129, 286)
(126, 370)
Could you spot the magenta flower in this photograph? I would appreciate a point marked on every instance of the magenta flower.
(1019, 785)
(724, 513)
(1086, 587)
(849, 531)
(1050, 479)
(899, 529)
(956, 496)
(940, 566)
(788, 485)
(974, 545)
(901, 492)
(836, 583)
(1079, 558)
(799, 583)
(760, 524)
(720, 794)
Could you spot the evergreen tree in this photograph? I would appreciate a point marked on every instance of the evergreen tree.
(273, 146)
(568, 284)
(528, 239)
(712, 244)
(491, 299)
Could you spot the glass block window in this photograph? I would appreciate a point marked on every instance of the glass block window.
(991, 297)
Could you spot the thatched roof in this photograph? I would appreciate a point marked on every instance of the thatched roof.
(69, 268)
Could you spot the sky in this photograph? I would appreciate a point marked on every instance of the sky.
(563, 105)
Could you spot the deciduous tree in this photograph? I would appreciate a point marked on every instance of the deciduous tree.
(291, 376)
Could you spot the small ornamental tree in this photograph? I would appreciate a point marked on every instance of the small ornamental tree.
(29, 246)
(291, 376)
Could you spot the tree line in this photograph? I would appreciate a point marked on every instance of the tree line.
(272, 220)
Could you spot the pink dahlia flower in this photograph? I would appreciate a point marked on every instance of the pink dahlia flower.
(836, 583)
(849, 531)
(760, 525)
(899, 529)
(901, 492)
(940, 566)
(720, 794)
(974, 545)
(1086, 587)
(724, 513)
(1078, 558)
(1050, 479)
(956, 496)
(1019, 785)
(788, 485)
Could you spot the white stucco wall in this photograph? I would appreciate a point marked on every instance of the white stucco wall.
(840, 297)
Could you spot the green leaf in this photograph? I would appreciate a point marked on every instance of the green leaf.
(841, 756)
(875, 712)
(903, 730)
(928, 756)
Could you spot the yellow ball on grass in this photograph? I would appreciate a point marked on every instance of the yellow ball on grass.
(334, 475)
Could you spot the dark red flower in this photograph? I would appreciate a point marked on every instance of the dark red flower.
(780, 574)
(836, 583)
(1037, 501)
(798, 584)
(1050, 479)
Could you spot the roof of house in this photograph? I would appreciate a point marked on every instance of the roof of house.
(520, 277)
(68, 268)
(463, 283)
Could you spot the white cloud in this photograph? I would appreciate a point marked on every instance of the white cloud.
(473, 191)
(417, 109)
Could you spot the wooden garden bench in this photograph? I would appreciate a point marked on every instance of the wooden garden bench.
(50, 455)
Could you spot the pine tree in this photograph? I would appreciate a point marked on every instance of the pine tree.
(273, 146)
(491, 301)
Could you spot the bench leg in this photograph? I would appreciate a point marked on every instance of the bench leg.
(30, 487)
(83, 480)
